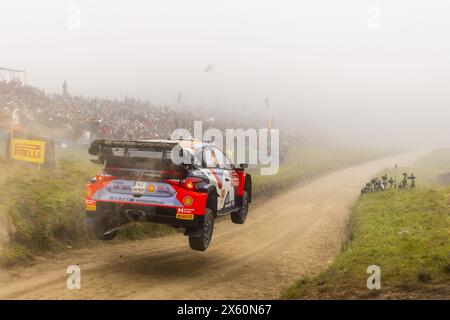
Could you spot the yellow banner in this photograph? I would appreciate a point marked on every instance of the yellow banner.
(28, 150)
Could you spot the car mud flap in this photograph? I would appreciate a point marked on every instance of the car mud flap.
(112, 230)
(128, 215)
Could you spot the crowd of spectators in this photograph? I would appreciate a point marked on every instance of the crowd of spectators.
(78, 118)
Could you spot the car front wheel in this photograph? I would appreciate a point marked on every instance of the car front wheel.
(240, 216)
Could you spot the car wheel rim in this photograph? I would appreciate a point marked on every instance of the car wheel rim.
(245, 205)
(207, 232)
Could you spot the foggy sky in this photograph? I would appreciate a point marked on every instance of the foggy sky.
(333, 68)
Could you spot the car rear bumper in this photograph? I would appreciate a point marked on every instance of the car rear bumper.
(145, 213)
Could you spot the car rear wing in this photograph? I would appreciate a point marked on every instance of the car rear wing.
(96, 146)
(103, 148)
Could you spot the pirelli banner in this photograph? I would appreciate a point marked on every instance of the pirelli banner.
(36, 150)
(28, 150)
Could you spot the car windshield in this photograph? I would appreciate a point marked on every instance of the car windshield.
(139, 159)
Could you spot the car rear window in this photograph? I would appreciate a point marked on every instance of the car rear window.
(139, 159)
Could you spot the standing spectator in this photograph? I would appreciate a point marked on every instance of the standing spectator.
(64, 88)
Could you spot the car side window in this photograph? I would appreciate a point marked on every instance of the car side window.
(213, 158)
(227, 162)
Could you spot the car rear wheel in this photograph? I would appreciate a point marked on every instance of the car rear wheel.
(201, 242)
(98, 227)
(240, 216)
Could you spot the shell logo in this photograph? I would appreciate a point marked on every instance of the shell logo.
(150, 188)
(188, 200)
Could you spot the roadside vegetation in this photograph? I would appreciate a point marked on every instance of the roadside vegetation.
(404, 232)
(44, 209)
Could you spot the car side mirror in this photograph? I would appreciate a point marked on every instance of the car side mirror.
(242, 166)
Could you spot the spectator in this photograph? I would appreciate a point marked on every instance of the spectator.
(79, 118)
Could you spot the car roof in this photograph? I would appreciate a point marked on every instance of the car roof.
(193, 144)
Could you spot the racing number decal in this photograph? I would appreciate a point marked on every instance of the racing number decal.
(216, 181)
(223, 181)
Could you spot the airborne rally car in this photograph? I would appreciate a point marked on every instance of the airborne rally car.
(141, 182)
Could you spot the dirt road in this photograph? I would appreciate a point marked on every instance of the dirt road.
(284, 238)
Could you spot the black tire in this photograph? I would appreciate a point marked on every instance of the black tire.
(240, 216)
(98, 227)
(201, 243)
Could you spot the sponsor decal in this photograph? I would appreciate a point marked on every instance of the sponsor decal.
(197, 173)
(28, 150)
(219, 181)
(133, 143)
(121, 186)
(150, 201)
(234, 179)
(89, 191)
(188, 200)
(163, 189)
(91, 205)
(144, 174)
(140, 200)
(185, 216)
(185, 210)
(151, 188)
(121, 199)
(139, 187)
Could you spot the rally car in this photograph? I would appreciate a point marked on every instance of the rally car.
(141, 182)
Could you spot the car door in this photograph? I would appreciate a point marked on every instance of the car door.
(231, 181)
(215, 168)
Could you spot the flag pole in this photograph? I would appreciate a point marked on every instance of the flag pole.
(11, 130)
(395, 176)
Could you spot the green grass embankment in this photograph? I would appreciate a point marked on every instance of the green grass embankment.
(404, 232)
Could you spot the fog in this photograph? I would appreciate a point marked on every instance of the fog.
(361, 72)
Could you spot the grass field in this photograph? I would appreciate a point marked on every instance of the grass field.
(45, 208)
(404, 232)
